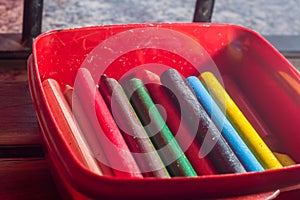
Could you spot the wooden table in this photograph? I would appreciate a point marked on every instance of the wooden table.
(24, 172)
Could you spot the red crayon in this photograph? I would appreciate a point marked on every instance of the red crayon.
(250, 113)
(108, 134)
(158, 94)
(67, 125)
(89, 132)
(130, 126)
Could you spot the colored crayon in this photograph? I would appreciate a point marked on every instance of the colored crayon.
(250, 113)
(118, 154)
(231, 136)
(66, 124)
(210, 138)
(179, 129)
(284, 159)
(89, 133)
(159, 133)
(130, 126)
(68, 94)
(240, 122)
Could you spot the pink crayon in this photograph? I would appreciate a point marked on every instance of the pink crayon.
(118, 154)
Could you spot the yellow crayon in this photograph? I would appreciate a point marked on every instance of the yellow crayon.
(261, 151)
(284, 159)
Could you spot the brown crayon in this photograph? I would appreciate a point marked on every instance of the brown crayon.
(131, 128)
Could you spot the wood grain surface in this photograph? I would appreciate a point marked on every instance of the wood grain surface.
(18, 121)
(26, 178)
(24, 171)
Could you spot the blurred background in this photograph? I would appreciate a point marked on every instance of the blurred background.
(268, 17)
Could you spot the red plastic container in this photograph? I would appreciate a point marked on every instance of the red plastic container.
(268, 80)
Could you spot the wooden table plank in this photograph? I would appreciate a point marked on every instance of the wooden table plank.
(26, 178)
(18, 120)
(20, 177)
(19, 129)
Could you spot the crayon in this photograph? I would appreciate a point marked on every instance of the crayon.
(177, 126)
(250, 113)
(118, 154)
(68, 94)
(131, 128)
(284, 159)
(211, 140)
(65, 122)
(240, 122)
(89, 133)
(159, 133)
(231, 136)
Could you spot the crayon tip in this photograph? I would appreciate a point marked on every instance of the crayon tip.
(103, 78)
(108, 82)
(68, 87)
(172, 73)
(147, 76)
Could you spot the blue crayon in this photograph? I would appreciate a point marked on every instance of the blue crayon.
(241, 150)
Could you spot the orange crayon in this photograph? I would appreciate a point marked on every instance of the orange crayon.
(66, 124)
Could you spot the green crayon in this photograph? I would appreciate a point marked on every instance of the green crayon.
(156, 128)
